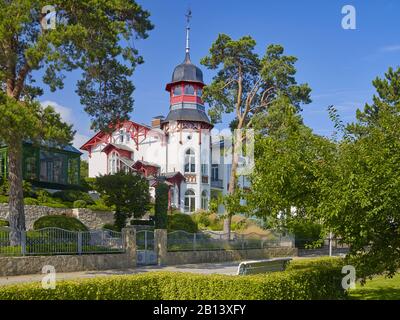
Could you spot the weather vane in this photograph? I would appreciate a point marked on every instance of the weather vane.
(188, 16)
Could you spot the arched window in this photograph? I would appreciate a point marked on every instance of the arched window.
(204, 200)
(190, 161)
(199, 92)
(190, 201)
(177, 90)
(113, 163)
(189, 89)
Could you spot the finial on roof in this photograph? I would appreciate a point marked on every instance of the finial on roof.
(188, 16)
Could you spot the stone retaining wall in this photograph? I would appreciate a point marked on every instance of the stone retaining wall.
(92, 219)
(214, 256)
(13, 266)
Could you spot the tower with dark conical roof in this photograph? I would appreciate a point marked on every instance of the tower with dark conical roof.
(187, 128)
(185, 90)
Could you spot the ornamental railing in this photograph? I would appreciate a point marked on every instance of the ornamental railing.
(209, 240)
(54, 241)
(217, 184)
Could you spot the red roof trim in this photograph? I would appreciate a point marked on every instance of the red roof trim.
(139, 130)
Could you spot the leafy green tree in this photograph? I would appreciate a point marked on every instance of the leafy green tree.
(84, 169)
(94, 36)
(289, 159)
(127, 192)
(246, 85)
(361, 194)
(161, 206)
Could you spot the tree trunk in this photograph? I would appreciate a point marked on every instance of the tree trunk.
(233, 179)
(16, 197)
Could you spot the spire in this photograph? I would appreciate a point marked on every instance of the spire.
(188, 17)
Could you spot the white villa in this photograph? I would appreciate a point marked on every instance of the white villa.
(178, 149)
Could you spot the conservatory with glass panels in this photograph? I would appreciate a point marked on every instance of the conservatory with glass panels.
(46, 166)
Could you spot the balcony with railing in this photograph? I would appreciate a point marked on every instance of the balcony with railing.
(217, 184)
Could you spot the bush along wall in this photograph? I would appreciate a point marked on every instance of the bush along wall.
(301, 281)
(161, 206)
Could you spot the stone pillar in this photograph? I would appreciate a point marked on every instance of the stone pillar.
(160, 244)
(129, 236)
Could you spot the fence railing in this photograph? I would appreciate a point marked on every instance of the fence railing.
(324, 246)
(51, 241)
(208, 240)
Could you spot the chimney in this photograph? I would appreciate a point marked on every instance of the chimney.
(156, 121)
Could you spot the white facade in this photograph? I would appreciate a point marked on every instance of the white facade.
(185, 151)
(176, 149)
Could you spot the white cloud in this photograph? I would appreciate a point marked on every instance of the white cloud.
(65, 112)
(78, 142)
(392, 48)
(67, 116)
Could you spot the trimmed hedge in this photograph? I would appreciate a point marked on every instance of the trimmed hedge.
(302, 281)
(4, 223)
(181, 221)
(79, 204)
(73, 195)
(63, 222)
(137, 222)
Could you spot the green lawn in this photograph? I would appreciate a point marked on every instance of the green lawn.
(380, 288)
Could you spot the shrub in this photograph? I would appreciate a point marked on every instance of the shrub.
(207, 220)
(136, 222)
(4, 223)
(56, 205)
(179, 221)
(43, 196)
(31, 201)
(80, 204)
(3, 199)
(63, 222)
(307, 233)
(27, 189)
(301, 282)
(110, 226)
(88, 184)
(161, 206)
(4, 186)
(73, 195)
(99, 205)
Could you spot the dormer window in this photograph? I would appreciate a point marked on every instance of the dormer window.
(121, 136)
(189, 89)
(177, 90)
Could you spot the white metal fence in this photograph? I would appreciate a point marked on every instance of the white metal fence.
(51, 241)
(209, 240)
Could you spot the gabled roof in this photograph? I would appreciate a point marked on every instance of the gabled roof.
(171, 174)
(116, 146)
(103, 136)
(50, 145)
(147, 164)
(127, 161)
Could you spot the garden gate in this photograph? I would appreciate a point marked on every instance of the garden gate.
(145, 249)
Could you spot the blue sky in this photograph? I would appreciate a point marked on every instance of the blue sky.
(339, 65)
